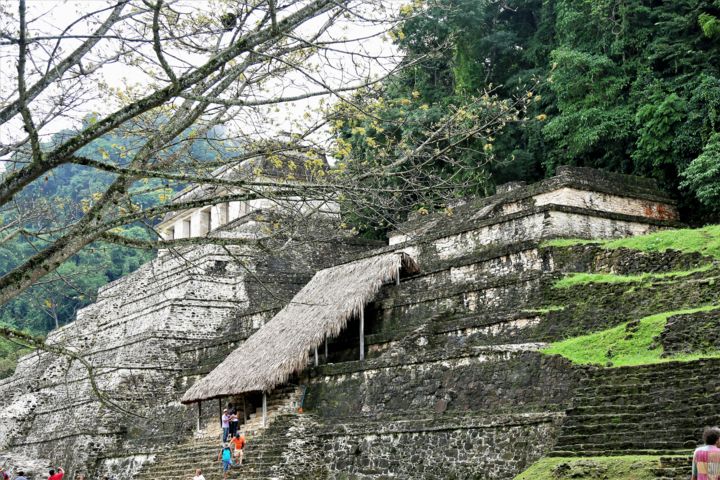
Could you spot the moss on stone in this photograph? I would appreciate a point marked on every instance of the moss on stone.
(704, 240)
(545, 310)
(634, 467)
(575, 279)
(632, 343)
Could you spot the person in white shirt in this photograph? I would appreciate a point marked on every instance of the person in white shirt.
(198, 475)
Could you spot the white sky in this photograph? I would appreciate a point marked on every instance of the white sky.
(53, 16)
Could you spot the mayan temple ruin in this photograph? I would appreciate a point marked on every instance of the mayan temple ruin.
(425, 356)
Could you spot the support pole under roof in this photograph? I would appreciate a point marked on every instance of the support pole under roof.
(199, 416)
(362, 334)
(264, 410)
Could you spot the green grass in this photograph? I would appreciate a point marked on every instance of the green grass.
(704, 240)
(575, 279)
(635, 467)
(625, 347)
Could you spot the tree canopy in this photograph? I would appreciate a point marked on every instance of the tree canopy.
(627, 87)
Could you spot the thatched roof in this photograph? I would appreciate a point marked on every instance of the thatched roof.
(320, 310)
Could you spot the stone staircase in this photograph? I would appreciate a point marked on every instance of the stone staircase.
(674, 468)
(180, 462)
(654, 409)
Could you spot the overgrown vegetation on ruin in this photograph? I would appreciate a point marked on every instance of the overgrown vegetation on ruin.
(627, 467)
(575, 279)
(705, 240)
(632, 343)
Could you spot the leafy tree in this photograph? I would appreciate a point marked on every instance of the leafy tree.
(703, 174)
(631, 87)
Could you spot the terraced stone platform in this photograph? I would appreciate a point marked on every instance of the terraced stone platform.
(454, 383)
(654, 409)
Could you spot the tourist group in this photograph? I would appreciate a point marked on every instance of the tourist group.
(231, 453)
(705, 465)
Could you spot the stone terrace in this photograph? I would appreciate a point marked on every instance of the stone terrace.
(453, 370)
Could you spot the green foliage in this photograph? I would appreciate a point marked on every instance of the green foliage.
(9, 354)
(67, 192)
(626, 467)
(53, 303)
(575, 279)
(633, 343)
(567, 242)
(704, 240)
(628, 87)
(419, 149)
(656, 122)
(703, 174)
(710, 25)
(545, 310)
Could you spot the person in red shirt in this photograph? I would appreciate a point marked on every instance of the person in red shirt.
(56, 476)
(239, 444)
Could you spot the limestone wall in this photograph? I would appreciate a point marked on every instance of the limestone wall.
(147, 337)
(460, 448)
(452, 369)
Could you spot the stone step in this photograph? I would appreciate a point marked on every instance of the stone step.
(261, 452)
(578, 446)
(697, 406)
(673, 468)
(689, 417)
(179, 466)
(599, 451)
(617, 376)
(692, 387)
(673, 462)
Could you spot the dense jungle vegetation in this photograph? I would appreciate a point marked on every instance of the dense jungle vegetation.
(631, 87)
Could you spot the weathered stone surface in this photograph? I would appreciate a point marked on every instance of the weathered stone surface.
(148, 336)
(692, 333)
(453, 385)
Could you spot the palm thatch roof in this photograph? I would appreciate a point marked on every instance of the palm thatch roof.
(320, 310)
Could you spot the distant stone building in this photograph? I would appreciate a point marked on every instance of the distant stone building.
(447, 379)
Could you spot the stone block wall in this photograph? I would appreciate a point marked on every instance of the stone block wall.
(489, 380)
(148, 336)
(692, 333)
(452, 372)
(462, 448)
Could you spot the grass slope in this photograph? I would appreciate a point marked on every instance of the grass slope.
(574, 279)
(635, 467)
(632, 343)
(704, 240)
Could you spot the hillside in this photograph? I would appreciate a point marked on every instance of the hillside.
(51, 205)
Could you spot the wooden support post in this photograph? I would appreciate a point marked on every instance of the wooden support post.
(199, 415)
(316, 357)
(244, 412)
(326, 351)
(362, 333)
(220, 411)
(397, 280)
(264, 410)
